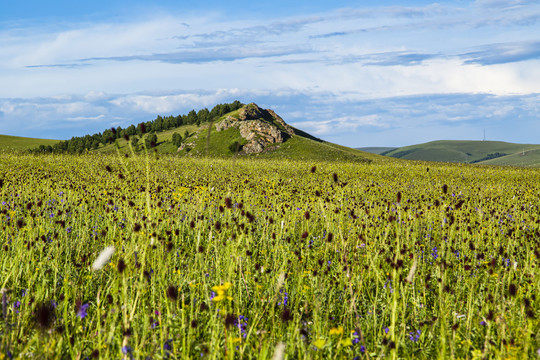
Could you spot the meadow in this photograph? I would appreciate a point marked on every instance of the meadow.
(260, 258)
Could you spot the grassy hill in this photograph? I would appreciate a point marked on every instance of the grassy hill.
(479, 152)
(22, 143)
(218, 144)
(376, 149)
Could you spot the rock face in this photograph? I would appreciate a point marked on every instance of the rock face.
(261, 128)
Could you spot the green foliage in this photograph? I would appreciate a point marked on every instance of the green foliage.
(235, 147)
(176, 139)
(150, 140)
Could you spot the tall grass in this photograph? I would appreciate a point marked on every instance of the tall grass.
(265, 257)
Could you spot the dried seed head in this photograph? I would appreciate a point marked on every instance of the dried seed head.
(512, 289)
(286, 315)
(172, 293)
(121, 266)
(44, 315)
(230, 320)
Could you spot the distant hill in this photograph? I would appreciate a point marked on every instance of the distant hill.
(8, 142)
(246, 131)
(249, 131)
(376, 150)
(473, 152)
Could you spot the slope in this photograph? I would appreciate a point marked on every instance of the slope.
(481, 152)
(8, 142)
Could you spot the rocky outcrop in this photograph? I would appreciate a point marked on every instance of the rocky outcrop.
(261, 128)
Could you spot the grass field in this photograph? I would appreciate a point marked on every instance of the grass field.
(470, 152)
(242, 258)
(11, 143)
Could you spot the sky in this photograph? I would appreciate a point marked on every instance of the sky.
(356, 73)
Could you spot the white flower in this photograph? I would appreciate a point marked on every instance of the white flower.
(103, 258)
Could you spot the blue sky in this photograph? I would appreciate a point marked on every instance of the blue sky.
(370, 73)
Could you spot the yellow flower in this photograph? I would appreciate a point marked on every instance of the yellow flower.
(220, 290)
(336, 331)
(346, 342)
(319, 343)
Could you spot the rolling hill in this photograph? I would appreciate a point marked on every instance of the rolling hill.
(376, 149)
(472, 152)
(8, 142)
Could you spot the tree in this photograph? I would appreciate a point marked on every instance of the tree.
(186, 134)
(151, 140)
(176, 139)
(203, 115)
(135, 142)
(192, 117)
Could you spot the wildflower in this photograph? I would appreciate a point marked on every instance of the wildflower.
(103, 258)
(414, 336)
(386, 330)
(319, 343)
(220, 290)
(362, 348)
(81, 310)
(167, 345)
(336, 331)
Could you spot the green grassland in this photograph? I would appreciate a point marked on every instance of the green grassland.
(376, 149)
(17, 143)
(236, 258)
(470, 152)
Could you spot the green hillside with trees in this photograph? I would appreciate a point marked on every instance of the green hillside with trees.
(195, 134)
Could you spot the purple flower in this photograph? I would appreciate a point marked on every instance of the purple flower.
(482, 322)
(386, 330)
(81, 312)
(167, 345)
(363, 348)
(414, 336)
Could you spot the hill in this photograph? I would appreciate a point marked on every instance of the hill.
(8, 142)
(376, 149)
(473, 152)
(246, 131)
